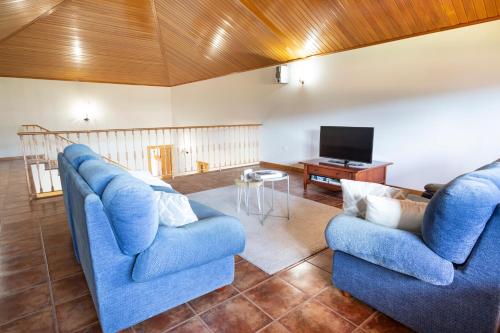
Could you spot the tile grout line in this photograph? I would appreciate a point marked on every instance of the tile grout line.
(51, 294)
(370, 317)
(198, 316)
(344, 317)
(310, 298)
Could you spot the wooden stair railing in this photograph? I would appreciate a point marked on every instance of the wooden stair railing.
(219, 147)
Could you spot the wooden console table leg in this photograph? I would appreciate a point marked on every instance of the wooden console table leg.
(306, 177)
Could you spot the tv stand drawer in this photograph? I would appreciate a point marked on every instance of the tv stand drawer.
(332, 173)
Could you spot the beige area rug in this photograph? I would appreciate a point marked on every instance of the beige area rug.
(279, 242)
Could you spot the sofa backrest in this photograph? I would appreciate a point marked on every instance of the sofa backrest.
(458, 213)
(77, 153)
(127, 202)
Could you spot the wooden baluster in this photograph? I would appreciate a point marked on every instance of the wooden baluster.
(116, 147)
(126, 148)
(242, 144)
(158, 164)
(258, 144)
(107, 143)
(99, 143)
(253, 143)
(219, 134)
(174, 157)
(142, 152)
(225, 145)
(37, 165)
(185, 149)
(134, 149)
(149, 145)
(47, 158)
(209, 145)
(234, 160)
(245, 143)
(196, 149)
(178, 140)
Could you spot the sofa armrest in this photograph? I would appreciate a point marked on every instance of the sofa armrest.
(195, 244)
(394, 249)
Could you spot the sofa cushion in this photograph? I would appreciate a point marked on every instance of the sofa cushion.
(131, 210)
(492, 165)
(77, 153)
(393, 213)
(490, 172)
(354, 195)
(192, 245)
(394, 249)
(174, 209)
(457, 214)
(148, 178)
(203, 211)
(98, 174)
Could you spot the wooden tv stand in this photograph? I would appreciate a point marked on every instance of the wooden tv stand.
(332, 173)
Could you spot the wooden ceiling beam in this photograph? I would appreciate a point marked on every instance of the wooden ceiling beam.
(24, 26)
(158, 33)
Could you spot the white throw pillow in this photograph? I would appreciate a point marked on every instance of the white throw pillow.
(148, 178)
(354, 195)
(174, 209)
(393, 213)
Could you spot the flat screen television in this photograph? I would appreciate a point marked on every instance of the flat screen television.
(346, 143)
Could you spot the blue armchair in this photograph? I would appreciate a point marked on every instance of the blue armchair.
(447, 279)
(136, 269)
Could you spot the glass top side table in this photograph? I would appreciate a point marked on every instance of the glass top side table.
(272, 176)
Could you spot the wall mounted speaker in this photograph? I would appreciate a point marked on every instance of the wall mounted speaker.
(282, 74)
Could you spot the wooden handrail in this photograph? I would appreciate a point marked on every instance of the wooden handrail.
(134, 129)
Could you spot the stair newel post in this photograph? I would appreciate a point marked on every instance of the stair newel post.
(28, 181)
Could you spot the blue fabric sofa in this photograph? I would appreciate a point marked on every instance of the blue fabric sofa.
(136, 269)
(446, 279)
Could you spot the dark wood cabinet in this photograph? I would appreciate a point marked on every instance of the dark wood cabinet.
(322, 173)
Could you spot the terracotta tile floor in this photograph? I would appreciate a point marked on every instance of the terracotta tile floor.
(42, 288)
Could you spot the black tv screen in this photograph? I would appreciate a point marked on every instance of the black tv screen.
(346, 143)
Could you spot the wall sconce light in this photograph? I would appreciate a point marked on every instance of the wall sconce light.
(87, 119)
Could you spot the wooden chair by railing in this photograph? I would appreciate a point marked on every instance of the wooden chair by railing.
(180, 150)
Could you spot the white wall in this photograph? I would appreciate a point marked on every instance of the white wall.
(434, 101)
(62, 105)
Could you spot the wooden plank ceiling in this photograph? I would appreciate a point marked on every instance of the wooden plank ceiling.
(172, 42)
